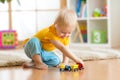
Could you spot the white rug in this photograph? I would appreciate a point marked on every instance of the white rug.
(97, 53)
(17, 57)
(12, 58)
(94, 53)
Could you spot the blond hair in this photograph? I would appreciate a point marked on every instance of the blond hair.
(66, 17)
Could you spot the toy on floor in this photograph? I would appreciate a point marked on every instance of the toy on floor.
(80, 66)
(74, 67)
(8, 39)
(65, 67)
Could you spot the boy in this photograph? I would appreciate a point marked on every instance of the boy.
(40, 47)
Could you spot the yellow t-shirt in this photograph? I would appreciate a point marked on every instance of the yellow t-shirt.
(47, 34)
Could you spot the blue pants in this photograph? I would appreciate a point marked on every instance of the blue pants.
(33, 47)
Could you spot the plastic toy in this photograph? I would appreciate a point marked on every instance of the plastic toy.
(105, 10)
(67, 68)
(96, 12)
(100, 12)
(62, 67)
(80, 66)
(74, 67)
(8, 39)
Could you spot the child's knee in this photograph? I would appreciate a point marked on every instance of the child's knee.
(32, 47)
(33, 43)
(33, 40)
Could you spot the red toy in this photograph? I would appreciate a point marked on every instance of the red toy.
(80, 66)
(105, 10)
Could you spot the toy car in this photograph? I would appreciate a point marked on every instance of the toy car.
(67, 68)
(74, 67)
(62, 67)
(80, 66)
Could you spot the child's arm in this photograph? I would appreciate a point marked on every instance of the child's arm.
(65, 50)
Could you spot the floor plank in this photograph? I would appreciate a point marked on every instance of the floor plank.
(94, 70)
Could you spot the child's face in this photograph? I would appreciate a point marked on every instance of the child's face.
(64, 31)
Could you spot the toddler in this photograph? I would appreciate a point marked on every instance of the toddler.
(41, 45)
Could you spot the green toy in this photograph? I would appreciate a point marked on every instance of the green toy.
(96, 12)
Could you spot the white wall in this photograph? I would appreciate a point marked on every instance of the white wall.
(30, 16)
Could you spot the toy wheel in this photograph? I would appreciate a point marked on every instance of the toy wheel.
(74, 70)
(61, 69)
(77, 69)
(81, 68)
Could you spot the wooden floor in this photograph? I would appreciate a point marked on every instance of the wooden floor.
(94, 70)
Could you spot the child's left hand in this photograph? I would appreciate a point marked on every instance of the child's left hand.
(79, 61)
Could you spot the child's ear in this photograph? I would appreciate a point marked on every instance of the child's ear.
(55, 25)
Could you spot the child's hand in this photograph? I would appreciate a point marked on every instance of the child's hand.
(79, 61)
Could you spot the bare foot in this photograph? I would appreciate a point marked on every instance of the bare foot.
(28, 65)
(40, 66)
